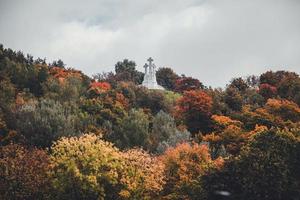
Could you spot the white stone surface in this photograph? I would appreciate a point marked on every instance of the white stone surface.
(150, 76)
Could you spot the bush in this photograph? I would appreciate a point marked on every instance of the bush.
(44, 122)
(23, 173)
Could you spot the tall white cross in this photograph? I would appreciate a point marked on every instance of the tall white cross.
(146, 67)
(150, 60)
(150, 76)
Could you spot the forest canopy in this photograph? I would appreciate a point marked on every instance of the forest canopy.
(65, 135)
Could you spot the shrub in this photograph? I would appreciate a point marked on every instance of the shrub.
(23, 173)
(85, 168)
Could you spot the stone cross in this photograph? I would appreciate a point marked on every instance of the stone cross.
(146, 67)
(150, 60)
(150, 77)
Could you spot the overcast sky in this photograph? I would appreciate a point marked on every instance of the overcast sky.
(213, 40)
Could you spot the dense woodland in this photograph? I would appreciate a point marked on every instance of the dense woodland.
(64, 135)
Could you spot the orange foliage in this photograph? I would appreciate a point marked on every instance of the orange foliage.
(258, 129)
(184, 165)
(115, 100)
(260, 116)
(195, 101)
(287, 110)
(232, 137)
(212, 138)
(61, 73)
(225, 121)
(19, 100)
(99, 87)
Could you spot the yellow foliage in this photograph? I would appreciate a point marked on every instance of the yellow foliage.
(225, 121)
(86, 161)
(93, 165)
(144, 176)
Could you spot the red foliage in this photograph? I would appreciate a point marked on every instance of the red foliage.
(194, 108)
(267, 90)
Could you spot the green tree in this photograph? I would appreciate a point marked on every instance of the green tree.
(164, 133)
(22, 71)
(264, 170)
(233, 99)
(154, 100)
(239, 84)
(71, 90)
(166, 77)
(125, 71)
(289, 88)
(133, 130)
(275, 78)
(7, 95)
(44, 122)
(58, 63)
(187, 84)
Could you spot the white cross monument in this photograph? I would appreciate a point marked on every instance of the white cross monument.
(150, 76)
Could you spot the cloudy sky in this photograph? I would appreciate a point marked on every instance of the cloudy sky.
(213, 40)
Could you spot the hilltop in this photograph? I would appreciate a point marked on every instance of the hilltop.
(65, 135)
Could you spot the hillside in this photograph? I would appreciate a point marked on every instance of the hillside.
(65, 135)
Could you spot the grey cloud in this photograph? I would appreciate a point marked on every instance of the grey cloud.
(211, 40)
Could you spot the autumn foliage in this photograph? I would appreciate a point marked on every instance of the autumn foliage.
(144, 175)
(267, 91)
(84, 167)
(61, 73)
(184, 166)
(23, 173)
(64, 135)
(99, 87)
(194, 108)
(91, 168)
